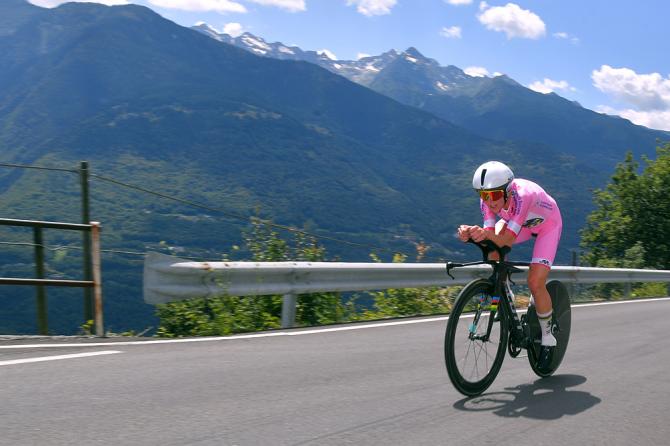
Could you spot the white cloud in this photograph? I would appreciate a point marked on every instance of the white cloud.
(458, 2)
(289, 5)
(547, 86)
(476, 71)
(233, 29)
(644, 91)
(453, 32)
(221, 6)
(647, 95)
(54, 3)
(373, 7)
(653, 119)
(329, 54)
(512, 20)
(566, 36)
(360, 56)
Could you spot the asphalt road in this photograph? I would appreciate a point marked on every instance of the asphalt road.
(383, 384)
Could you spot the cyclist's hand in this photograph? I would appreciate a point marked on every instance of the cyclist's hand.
(464, 232)
(478, 234)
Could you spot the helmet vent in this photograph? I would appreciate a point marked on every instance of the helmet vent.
(483, 176)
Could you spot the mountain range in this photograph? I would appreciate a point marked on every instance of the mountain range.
(168, 109)
(496, 107)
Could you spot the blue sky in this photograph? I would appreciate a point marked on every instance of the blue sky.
(609, 55)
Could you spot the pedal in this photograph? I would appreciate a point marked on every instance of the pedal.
(512, 349)
(513, 352)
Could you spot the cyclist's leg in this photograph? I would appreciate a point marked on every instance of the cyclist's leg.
(544, 253)
(537, 283)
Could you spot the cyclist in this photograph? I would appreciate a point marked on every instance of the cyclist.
(525, 211)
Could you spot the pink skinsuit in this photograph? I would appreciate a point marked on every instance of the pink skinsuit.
(532, 211)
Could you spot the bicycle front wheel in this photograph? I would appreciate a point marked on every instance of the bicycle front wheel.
(475, 339)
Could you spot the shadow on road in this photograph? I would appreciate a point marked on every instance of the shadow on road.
(545, 399)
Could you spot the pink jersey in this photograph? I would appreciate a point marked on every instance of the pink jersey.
(532, 211)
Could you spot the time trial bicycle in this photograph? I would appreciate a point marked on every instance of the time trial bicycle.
(484, 322)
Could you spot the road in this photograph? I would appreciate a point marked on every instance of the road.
(364, 384)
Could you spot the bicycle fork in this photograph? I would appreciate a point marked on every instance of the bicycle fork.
(492, 309)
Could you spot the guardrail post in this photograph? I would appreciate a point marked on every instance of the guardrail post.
(42, 324)
(571, 286)
(97, 278)
(627, 290)
(288, 310)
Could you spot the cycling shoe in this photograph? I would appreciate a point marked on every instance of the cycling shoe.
(546, 355)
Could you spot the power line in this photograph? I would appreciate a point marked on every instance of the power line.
(209, 208)
(245, 218)
(24, 166)
(80, 248)
(223, 212)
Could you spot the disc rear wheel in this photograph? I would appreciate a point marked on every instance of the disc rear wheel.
(562, 319)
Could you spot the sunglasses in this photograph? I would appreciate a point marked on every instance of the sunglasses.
(492, 195)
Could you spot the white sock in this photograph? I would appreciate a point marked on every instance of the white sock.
(548, 338)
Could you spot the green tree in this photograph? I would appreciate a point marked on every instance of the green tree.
(653, 210)
(628, 227)
(632, 210)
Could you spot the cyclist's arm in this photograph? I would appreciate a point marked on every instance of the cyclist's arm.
(504, 238)
(523, 201)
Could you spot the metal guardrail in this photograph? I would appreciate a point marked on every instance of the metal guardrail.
(168, 278)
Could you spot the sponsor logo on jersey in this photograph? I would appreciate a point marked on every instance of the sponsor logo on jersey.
(533, 222)
(518, 202)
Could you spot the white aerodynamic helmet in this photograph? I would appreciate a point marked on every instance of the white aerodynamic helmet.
(492, 175)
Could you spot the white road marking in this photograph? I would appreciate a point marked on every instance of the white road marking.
(289, 333)
(226, 338)
(56, 358)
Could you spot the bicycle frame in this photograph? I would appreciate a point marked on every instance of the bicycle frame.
(502, 270)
